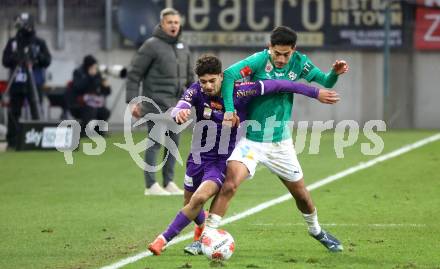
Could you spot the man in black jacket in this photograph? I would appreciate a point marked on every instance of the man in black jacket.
(24, 52)
(163, 65)
(88, 92)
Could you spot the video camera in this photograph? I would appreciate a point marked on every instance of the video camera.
(117, 71)
(24, 24)
(24, 21)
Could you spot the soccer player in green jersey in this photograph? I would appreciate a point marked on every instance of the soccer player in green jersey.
(272, 144)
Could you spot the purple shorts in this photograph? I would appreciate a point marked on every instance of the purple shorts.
(213, 170)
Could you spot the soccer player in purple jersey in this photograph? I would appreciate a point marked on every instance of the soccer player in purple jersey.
(205, 175)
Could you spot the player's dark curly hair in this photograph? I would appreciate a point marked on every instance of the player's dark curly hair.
(208, 64)
(283, 35)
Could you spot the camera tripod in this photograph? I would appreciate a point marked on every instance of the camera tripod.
(34, 100)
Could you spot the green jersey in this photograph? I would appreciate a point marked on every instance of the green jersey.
(272, 112)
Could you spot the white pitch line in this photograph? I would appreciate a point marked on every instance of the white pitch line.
(286, 197)
(375, 225)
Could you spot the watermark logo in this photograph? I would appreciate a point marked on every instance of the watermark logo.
(162, 125)
(210, 137)
(159, 133)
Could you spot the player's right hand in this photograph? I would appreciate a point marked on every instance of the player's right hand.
(340, 67)
(328, 97)
(231, 119)
(183, 116)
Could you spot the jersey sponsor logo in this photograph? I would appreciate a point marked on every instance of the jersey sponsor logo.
(268, 67)
(216, 105)
(246, 71)
(244, 93)
(292, 75)
(244, 83)
(278, 74)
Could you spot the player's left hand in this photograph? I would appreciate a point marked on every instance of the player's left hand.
(340, 67)
(328, 97)
(231, 119)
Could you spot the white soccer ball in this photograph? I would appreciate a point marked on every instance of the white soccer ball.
(218, 245)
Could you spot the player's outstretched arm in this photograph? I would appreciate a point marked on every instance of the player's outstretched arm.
(239, 70)
(287, 86)
(328, 97)
(329, 79)
(229, 76)
(278, 86)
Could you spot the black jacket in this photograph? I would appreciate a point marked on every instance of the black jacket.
(20, 49)
(164, 66)
(82, 84)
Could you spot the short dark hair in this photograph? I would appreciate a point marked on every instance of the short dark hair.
(208, 64)
(88, 61)
(283, 35)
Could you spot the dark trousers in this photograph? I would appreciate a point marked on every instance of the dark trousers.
(17, 98)
(87, 114)
(151, 159)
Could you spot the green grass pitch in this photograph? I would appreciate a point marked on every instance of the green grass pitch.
(93, 213)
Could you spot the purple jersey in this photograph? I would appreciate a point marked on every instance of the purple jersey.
(212, 108)
(212, 163)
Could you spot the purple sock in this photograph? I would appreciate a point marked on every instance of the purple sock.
(200, 219)
(178, 224)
